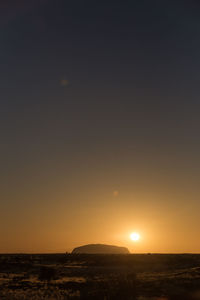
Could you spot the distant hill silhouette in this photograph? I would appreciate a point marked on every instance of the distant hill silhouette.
(100, 249)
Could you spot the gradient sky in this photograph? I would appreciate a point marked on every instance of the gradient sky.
(99, 124)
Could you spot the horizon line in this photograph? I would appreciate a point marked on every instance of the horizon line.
(66, 253)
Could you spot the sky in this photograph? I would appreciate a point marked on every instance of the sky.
(99, 125)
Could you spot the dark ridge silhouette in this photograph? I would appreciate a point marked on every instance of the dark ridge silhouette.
(100, 249)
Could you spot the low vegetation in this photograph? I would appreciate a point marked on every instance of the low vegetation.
(103, 277)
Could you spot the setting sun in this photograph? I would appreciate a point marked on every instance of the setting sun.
(134, 236)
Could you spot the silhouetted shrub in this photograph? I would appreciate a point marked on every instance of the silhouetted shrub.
(47, 274)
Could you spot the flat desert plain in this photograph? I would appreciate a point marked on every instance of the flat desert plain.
(105, 277)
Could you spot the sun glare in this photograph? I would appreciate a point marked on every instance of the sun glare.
(134, 236)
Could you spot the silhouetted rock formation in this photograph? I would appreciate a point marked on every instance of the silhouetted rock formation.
(100, 249)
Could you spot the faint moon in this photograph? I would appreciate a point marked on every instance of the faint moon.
(134, 236)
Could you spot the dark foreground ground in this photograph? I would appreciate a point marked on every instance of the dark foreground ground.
(132, 276)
